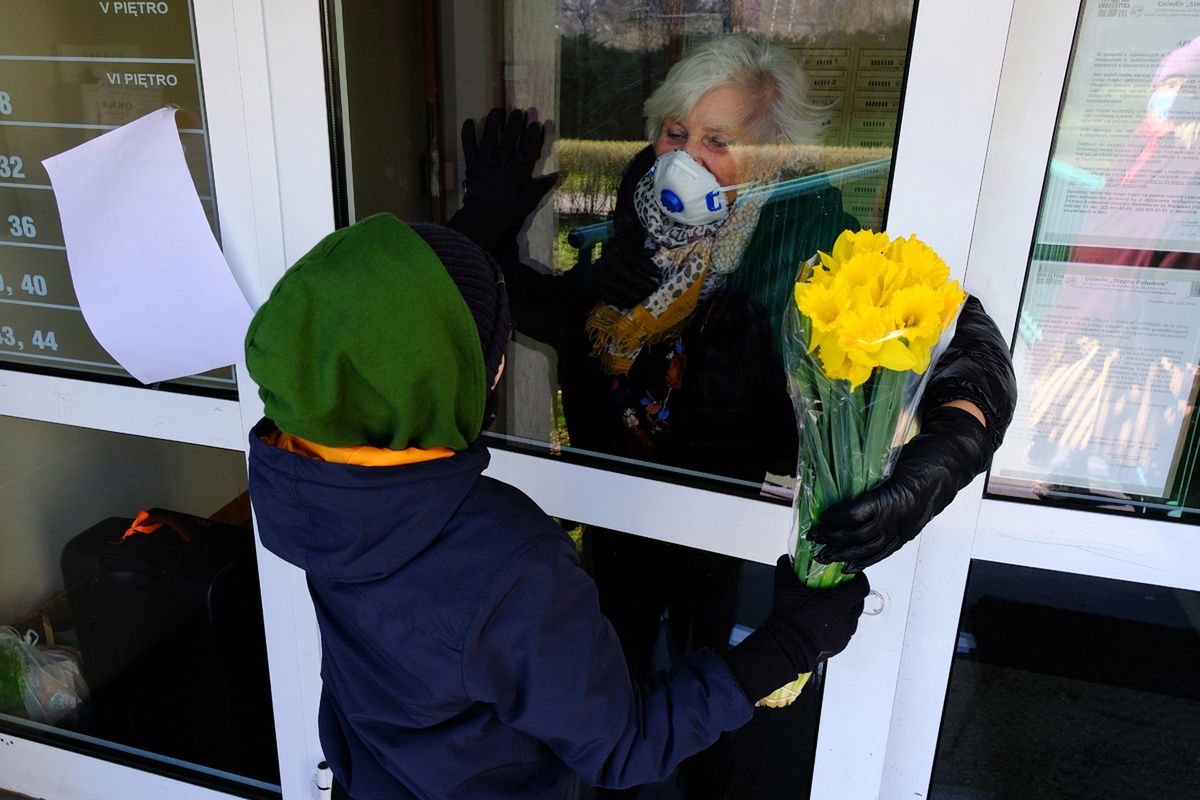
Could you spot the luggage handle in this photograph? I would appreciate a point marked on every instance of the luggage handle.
(145, 523)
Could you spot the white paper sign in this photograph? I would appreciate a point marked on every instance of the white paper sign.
(1126, 168)
(1106, 361)
(152, 283)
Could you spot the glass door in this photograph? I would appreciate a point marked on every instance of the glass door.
(403, 81)
(1086, 535)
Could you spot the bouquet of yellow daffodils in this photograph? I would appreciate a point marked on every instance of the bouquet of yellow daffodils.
(866, 324)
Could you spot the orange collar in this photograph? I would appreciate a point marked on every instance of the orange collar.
(360, 455)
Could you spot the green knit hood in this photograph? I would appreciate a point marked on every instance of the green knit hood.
(366, 340)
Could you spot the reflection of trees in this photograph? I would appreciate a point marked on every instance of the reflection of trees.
(817, 20)
(644, 24)
(603, 88)
(653, 24)
(613, 54)
(580, 17)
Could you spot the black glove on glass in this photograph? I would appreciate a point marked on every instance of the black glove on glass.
(500, 190)
(951, 449)
(804, 626)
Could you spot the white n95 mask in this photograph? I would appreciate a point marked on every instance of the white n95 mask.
(687, 192)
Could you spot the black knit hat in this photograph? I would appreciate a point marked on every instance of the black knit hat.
(481, 282)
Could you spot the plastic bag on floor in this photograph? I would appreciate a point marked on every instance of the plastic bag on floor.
(43, 684)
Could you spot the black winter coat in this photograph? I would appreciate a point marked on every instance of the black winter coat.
(731, 416)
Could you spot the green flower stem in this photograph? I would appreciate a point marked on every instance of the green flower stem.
(854, 481)
(819, 466)
(845, 443)
(887, 396)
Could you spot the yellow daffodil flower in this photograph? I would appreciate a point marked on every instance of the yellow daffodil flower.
(952, 299)
(876, 302)
(917, 310)
(865, 272)
(924, 266)
(852, 243)
(821, 303)
(866, 337)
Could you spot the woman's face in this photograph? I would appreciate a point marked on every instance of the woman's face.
(710, 133)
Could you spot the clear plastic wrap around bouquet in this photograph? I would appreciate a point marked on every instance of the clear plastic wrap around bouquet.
(867, 322)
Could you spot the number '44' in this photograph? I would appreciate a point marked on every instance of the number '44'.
(45, 340)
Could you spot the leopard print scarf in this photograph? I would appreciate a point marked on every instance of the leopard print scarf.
(693, 261)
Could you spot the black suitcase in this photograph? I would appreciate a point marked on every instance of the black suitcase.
(169, 626)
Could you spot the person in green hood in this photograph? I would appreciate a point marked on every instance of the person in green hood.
(463, 649)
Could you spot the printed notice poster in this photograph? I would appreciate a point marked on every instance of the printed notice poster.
(1106, 361)
(1126, 166)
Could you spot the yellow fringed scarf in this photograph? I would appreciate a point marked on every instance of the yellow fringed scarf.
(693, 261)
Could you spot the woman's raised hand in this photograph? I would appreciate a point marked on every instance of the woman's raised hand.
(500, 188)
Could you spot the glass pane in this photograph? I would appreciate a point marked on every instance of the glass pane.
(724, 420)
(1071, 686)
(665, 600)
(140, 643)
(68, 73)
(1108, 335)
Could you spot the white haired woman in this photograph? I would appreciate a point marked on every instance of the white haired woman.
(721, 121)
(725, 117)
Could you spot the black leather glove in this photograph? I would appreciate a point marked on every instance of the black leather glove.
(804, 626)
(500, 190)
(627, 274)
(950, 450)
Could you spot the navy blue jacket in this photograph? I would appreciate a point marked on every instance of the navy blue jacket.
(463, 650)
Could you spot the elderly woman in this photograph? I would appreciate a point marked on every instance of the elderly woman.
(707, 284)
(724, 117)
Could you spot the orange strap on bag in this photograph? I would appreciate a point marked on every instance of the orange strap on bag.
(145, 522)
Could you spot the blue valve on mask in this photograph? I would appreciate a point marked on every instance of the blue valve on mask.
(687, 192)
